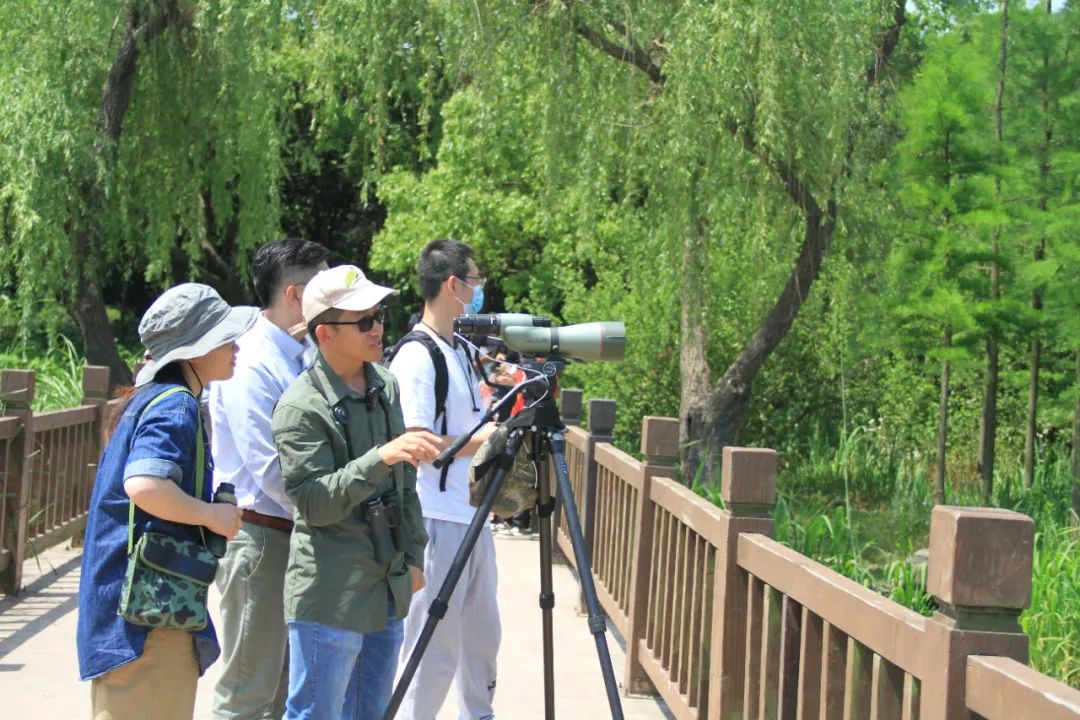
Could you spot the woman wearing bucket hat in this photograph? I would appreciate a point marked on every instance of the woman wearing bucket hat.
(143, 636)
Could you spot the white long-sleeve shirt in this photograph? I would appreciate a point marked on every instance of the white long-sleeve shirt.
(240, 412)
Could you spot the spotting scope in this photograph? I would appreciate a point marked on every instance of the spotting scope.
(532, 336)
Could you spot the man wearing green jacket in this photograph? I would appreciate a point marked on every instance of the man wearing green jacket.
(356, 552)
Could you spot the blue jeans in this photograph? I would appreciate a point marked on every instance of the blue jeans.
(335, 673)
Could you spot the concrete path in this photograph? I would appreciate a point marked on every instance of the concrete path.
(39, 671)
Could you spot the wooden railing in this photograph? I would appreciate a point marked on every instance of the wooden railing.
(47, 466)
(724, 622)
(720, 619)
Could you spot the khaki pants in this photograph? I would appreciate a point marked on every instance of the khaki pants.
(159, 685)
(254, 639)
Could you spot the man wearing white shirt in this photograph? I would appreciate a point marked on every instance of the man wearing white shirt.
(251, 577)
(466, 641)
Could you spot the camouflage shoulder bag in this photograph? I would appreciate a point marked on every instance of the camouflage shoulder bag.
(518, 491)
(167, 579)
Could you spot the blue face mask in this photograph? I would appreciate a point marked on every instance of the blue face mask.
(477, 303)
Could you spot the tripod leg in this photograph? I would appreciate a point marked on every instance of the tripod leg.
(544, 506)
(597, 619)
(442, 600)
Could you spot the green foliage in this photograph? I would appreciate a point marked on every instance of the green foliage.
(224, 100)
(197, 163)
(947, 186)
(576, 179)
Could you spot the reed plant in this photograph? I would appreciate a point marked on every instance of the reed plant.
(57, 368)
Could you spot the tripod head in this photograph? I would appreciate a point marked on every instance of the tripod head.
(541, 411)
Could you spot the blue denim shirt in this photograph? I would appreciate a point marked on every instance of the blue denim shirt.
(161, 443)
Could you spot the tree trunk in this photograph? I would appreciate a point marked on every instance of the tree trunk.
(943, 428)
(1032, 411)
(85, 302)
(728, 402)
(1076, 445)
(88, 312)
(988, 433)
(988, 425)
(1036, 293)
(694, 371)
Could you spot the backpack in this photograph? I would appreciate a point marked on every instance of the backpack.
(442, 381)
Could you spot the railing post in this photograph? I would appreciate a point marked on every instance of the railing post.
(17, 394)
(660, 451)
(748, 489)
(570, 406)
(980, 575)
(95, 383)
(601, 430)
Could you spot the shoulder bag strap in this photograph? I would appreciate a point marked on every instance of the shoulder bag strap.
(200, 461)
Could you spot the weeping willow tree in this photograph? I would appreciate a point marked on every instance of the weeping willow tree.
(137, 137)
(685, 166)
(147, 139)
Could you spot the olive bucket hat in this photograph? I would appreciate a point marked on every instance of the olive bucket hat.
(187, 322)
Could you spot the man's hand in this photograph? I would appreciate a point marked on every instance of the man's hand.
(223, 519)
(417, 577)
(414, 447)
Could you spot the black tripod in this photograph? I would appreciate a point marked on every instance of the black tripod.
(543, 427)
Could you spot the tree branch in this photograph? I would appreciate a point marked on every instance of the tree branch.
(116, 95)
(794, 185)
(816, 239)
(890, 38)
(633, 55)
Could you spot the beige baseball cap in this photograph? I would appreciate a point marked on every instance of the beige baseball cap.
(344, 287)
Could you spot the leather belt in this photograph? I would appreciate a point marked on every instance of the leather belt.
(267, 521)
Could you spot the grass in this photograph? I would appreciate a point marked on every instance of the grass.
(1053, 622)
(58, 372)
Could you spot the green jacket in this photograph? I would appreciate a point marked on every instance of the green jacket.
(332, 576)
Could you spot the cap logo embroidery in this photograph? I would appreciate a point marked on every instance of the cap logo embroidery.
(351, 277)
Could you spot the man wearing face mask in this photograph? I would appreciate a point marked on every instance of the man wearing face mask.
(466, 640)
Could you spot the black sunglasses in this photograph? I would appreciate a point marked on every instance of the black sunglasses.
(363, 324)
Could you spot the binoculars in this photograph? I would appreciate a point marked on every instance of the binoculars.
(383, 515)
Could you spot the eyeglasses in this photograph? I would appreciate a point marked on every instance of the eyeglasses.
(363, 324)
(480, 280)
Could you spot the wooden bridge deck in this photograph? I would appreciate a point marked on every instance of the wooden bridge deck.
(39, 672)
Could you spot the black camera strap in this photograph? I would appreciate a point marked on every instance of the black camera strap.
(341, 413)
